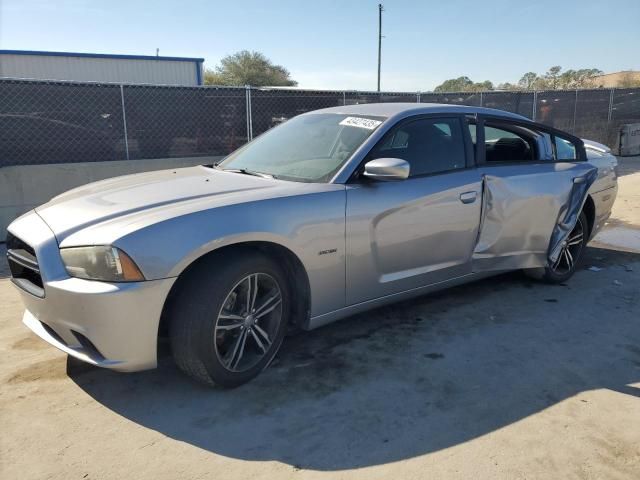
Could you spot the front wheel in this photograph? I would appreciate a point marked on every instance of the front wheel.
(229, 318)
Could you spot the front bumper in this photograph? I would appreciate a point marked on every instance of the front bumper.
(112, 325)
(109, 325)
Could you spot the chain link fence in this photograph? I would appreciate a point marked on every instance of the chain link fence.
(164, 122)
(270, 107)
(67, 122)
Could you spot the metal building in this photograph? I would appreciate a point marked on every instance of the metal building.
(95, 67)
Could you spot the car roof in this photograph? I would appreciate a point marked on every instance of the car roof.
(392, 109)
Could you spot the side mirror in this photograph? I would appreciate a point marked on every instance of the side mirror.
(387, 169)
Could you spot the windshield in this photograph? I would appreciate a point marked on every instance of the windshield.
(307, 148)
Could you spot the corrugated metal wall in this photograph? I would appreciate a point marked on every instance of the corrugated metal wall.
(89, 69)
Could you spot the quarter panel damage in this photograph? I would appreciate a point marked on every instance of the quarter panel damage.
(526, 217)
(570, 213)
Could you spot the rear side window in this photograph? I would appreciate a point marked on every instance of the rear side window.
(430, 145)
(508, 145)
(565, 150)
(507, 142)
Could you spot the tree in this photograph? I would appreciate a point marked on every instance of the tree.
(528, 81)
(463, 84)
(583, 78)
(586, 77)
(482, 86)
(552, 77)
(249, 68)
(508, 86)
(459, 84)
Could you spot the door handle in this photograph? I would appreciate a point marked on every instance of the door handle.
(468, 197)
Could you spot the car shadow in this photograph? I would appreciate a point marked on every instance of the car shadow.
(404, 380)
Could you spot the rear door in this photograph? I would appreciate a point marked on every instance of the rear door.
(528, 175)
(407, 234)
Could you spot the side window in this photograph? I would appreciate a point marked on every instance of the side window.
(565, 150)
(546, 144)
(502, 145)
(398, 140)
(473, 133)
(430, 145)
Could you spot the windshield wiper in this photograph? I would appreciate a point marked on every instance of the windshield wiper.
(246, 171)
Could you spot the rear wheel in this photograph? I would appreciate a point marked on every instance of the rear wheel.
(570, 254)
(229, 318)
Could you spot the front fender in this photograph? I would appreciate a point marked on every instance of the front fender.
(306, 225)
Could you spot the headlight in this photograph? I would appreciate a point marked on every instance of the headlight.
(104, 263)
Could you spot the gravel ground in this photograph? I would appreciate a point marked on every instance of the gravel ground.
(502, 378)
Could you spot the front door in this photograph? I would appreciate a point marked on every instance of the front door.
(420, 231)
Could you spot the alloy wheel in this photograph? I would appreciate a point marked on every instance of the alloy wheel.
(571, 249)
(247, 322)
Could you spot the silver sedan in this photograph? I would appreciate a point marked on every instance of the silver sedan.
(331, 213)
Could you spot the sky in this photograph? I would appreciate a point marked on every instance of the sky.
(332, 44)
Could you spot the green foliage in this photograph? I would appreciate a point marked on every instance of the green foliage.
(583, 78)
(248, 68)
(553, 79)
(529, 81)
(463, 84)
(507, 86)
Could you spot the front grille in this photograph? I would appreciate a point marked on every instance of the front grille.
(23, 265)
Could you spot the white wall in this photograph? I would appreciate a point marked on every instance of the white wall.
(24, 187)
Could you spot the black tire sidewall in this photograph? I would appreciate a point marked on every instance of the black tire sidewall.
(203, 302)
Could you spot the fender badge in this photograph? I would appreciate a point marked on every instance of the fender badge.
(325, 252)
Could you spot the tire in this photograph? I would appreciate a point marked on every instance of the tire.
(565, 267)
(211, 303)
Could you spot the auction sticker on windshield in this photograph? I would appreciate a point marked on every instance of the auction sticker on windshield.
(359, 122)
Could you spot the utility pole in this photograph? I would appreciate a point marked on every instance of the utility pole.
(380, 10)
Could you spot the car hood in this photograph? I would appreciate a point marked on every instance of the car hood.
(160, 192)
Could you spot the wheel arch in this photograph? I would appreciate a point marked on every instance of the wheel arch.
(589, 209)
(294, 269)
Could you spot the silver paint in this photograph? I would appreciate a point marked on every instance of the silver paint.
(569, 214)
(387, 169)
(403, 235)
(388, 240)
(522, 205)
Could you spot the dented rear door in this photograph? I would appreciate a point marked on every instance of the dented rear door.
(529, 204)
(522, 206)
